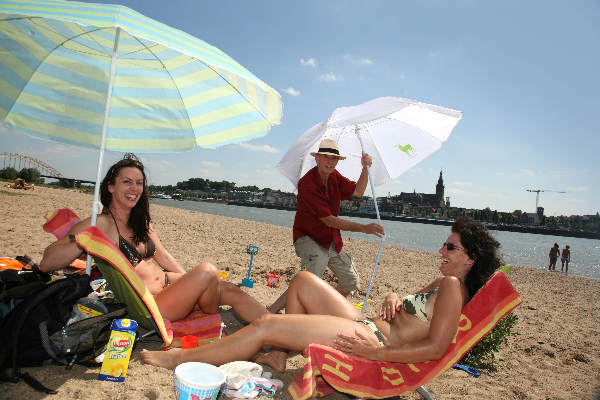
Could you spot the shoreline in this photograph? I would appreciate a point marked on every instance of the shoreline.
(435, 221)
(558, 333)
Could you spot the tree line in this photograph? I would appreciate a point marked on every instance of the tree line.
(204, 185)
(29, 175)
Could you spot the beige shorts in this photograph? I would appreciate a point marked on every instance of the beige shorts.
(315, 259)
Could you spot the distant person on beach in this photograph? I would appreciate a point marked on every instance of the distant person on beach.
(411, 329)
(565, 259)
(316, 231)
(554, 252)
(125, 220)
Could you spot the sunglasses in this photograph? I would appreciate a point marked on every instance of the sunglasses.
(451, 246)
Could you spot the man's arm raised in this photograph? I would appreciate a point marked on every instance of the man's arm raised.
(361, 183)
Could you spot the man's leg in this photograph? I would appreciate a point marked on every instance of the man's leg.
(313, 258)
(342, 266)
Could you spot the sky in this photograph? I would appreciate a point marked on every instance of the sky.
(524, 75)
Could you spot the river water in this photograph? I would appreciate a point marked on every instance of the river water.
(525, 249)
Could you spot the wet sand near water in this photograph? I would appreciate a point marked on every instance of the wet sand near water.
(555, 356)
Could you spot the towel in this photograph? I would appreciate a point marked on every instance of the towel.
(60, 222)
(328, 369)
(206, 327)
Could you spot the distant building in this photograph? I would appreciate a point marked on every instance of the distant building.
(533, 218)
(434, 200)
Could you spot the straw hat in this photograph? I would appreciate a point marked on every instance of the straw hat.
(330, 148)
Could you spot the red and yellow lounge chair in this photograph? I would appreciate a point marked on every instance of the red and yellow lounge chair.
(328, 369)
(128, 288)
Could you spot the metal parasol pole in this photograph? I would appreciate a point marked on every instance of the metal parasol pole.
(113, 67)
(382, 239)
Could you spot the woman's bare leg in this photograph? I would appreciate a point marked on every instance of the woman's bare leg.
(309, 294)
(292, 332)
(200, 286)
(242, 303)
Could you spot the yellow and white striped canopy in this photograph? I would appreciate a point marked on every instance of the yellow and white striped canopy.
(170, 91)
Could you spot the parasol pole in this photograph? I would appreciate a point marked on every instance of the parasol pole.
(95, 205)
(381, 239)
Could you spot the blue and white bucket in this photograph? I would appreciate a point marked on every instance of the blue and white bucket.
(196, 380)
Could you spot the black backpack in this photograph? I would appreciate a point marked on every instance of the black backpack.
(35, 332)
(18, 284)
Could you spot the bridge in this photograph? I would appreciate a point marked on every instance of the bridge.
(20, 161)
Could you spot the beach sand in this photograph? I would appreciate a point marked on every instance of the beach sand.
(555, 356)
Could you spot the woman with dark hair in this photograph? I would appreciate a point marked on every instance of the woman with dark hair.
(416, 328)
(125, 220)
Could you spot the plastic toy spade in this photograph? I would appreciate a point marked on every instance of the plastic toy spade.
(247, 282)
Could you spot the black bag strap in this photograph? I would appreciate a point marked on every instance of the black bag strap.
(48, 346)
(35, 384)
(80, 285)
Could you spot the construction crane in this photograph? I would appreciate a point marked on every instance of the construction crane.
(537, 195)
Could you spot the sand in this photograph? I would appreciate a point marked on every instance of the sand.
(555, 356)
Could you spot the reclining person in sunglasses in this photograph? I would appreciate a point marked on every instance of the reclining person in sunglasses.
(125, 220)
(416, 328)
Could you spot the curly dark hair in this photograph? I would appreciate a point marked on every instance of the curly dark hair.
(139, 219)
(482, 248)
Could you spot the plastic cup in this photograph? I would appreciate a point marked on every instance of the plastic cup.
(195, 380)
(189, 342)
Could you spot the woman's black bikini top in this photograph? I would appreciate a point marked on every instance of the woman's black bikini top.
(130, 251)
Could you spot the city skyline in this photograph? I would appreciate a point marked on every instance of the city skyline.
(523, 75)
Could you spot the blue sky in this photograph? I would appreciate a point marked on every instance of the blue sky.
(524, 74)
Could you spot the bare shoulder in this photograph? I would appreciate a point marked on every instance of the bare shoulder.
(450, 283)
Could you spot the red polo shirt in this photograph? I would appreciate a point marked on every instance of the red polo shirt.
(316, 202)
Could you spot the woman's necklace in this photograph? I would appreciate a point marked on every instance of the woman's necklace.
(124, 225)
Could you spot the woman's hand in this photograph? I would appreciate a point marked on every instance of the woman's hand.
(359, 345)
(390, 306)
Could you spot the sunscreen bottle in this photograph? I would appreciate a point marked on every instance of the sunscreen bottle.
(118, 350)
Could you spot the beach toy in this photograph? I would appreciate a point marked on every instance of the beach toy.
(247, 282)
(196, 380)
(360, 305)
(189, 342)
(272, 279)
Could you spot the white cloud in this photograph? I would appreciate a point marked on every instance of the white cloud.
(356, 60)
(461, 183)
(311, 62)
(577, 189)
(264, 148)
(266, 172)
(463, 193)
(331, 77)
(291, 91)
(212, 164)
(527, 172)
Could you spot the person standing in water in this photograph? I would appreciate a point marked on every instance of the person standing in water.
(554, 252)
(565, 259)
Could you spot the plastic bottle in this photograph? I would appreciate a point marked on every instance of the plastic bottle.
(86, 308)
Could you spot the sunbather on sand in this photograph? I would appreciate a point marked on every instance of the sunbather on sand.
(415, 328)
(126, 221)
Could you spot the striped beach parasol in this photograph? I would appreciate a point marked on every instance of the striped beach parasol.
(65, 64)
(105, 76)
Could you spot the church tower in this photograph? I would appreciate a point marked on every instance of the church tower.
(439, 188)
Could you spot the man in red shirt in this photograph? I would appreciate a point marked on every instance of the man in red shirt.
(316, 231)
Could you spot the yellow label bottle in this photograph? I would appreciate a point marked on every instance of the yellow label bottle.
(118, 350)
